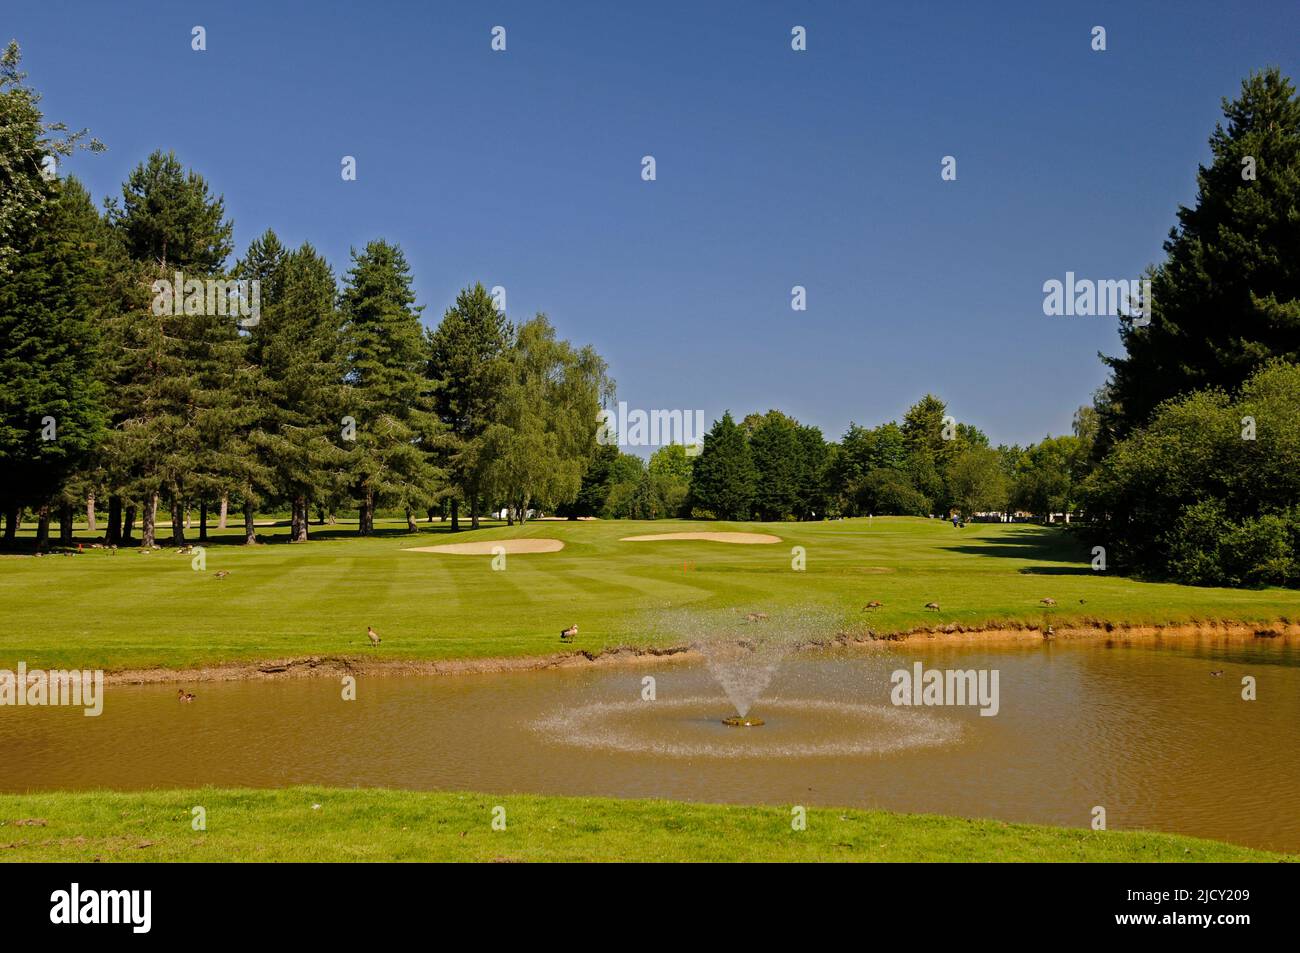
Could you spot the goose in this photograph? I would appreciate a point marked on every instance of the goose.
(373, 635)
(873, 604)
(569, 634)
(932, 606)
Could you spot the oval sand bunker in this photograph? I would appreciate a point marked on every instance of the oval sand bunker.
(746, 538)
(487, 547)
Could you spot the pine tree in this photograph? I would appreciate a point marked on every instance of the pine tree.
(812, 491)
(1227, 297)
(467, 362)
(724, 479)
(174, 376)
(52, 412)
(596, 483)
(296, 353)
(386, 391)
(776, 451)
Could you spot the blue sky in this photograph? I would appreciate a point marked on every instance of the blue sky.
(775, 169)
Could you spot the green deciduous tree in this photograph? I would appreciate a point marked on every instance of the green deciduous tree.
(1207, 492)
(26, 142)
(542, 429)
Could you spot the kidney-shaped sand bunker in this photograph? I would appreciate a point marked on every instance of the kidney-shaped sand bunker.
(488, 547)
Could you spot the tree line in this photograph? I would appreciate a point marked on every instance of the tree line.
(337, 396)
(771, 467)
(118, 390)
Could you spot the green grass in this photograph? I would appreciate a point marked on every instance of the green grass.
(132, 610)
(384, 825)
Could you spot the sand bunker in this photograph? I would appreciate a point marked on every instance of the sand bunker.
(488, 547)
(747, 538)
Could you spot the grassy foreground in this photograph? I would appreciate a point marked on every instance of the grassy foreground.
(132, 610)
(328, 824)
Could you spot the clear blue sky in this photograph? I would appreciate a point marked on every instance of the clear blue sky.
(775, 168)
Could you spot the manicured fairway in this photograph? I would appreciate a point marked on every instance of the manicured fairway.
(375, 825)
(129, 610)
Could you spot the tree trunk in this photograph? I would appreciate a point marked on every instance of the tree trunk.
(473, 510)
(65, 524)
(113, 531)
(366, 522)
(411, 527)
(225, 505)
(11, 524)
(178, 523)
(250, 531)
(455, 515)
(128, 522)
(203, 521)
(510, 514)
(149, 522)
(301, 515)
(42, 527)
(90, 513)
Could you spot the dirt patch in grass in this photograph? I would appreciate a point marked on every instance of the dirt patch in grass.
(337, 666)
(1003, 633)
(1017, 632)
(489, 547)
(742, 538)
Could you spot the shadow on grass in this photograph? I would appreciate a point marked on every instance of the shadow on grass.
(1057, 571)
(268, 534)
(1034, 544)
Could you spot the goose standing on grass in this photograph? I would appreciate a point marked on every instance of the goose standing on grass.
(873, 604)
(569, 634)
(932, 606)
(373, 636)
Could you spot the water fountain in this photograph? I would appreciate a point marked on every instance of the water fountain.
(743, 652)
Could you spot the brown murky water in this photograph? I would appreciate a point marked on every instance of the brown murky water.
(1143, 731)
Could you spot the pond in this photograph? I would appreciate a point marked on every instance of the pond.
(1142, 730)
